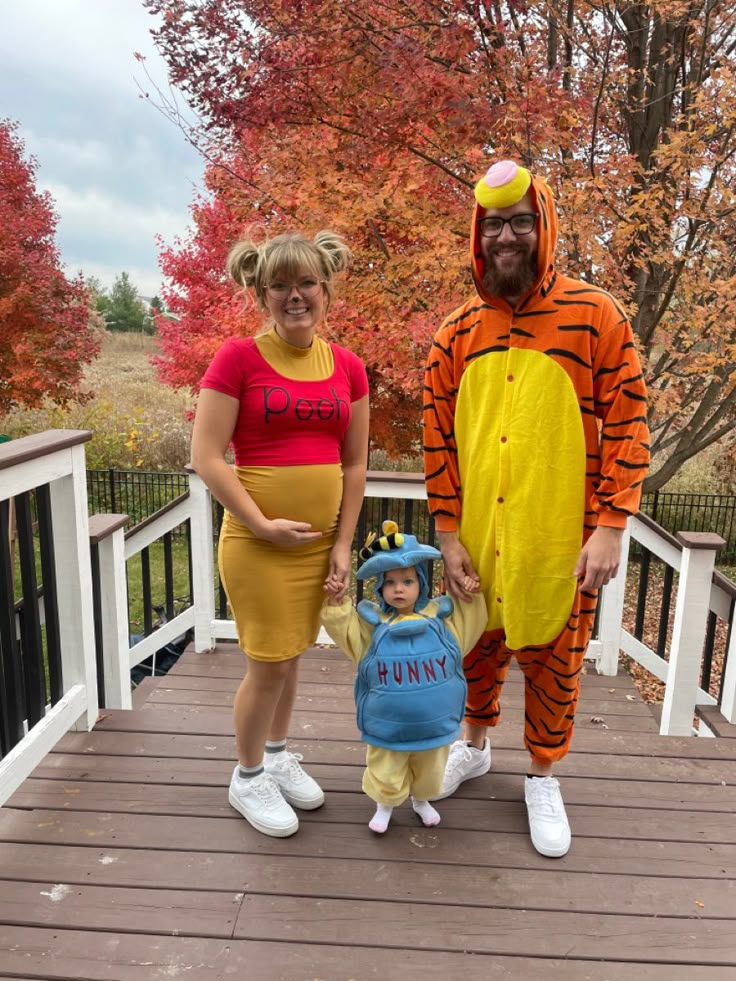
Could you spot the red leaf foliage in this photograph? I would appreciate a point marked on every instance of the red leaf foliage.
(47, 331)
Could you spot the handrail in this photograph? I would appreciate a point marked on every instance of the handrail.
(101, 526)
(394, 476)
(159, 513)
(38, 445)
(660, 532)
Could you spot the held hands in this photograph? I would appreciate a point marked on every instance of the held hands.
(334, 591)
(599, 558)
(461, 579)
(282, 531)
(338, 577)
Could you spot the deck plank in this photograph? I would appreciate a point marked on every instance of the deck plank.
(194, 720)
(643, 765)
(633, 856)
(489, 930)
(185, 881)
(599, 820)
(125, 957)
(310, 699)
(65, 906)
(502, 785)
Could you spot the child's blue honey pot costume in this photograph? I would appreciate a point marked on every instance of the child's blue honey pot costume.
(409, 687)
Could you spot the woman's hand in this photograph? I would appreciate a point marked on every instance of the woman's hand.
(282, 531)
(338, 576)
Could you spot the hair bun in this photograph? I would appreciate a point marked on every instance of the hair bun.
(242, 262)
(334, 249)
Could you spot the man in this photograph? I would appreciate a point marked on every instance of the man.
(536, 446)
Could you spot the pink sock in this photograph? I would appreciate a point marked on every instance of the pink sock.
(380, 820)
(426, 812)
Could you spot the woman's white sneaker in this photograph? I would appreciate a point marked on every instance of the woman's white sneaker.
(297, 787)
(261, 803)
(548, 824)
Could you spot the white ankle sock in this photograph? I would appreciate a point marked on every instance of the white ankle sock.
(380, 820)
(430, 817)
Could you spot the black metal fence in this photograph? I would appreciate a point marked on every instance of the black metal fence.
(30, 644)
(133, 492)
(696, 512)
(139, 494)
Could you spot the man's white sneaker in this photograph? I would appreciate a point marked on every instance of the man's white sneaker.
(260, 802)
(548, 824)
(464, 763)
(297, 787)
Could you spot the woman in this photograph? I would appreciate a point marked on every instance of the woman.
(295, 409)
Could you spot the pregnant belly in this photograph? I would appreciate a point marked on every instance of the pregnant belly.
(304, 493)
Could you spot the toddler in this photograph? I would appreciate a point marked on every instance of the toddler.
(409, 687)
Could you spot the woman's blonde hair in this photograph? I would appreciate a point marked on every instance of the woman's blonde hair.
(289, 257)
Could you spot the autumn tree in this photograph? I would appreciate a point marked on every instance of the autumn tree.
(377, 118)
(47, 326)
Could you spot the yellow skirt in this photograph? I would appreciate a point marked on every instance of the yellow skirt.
(275, 593)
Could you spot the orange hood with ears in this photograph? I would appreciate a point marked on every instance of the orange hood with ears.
(547, 225)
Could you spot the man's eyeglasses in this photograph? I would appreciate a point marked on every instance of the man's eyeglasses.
(521, 224)
(306, 287)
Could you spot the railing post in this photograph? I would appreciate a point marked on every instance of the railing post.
(728, 696)
(688, 634)
(74, 583)
(612, 611)
(203, 564)
(107, 533)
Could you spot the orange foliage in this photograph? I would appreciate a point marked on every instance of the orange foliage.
(376, 119)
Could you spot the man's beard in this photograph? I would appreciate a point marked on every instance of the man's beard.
(512, 284)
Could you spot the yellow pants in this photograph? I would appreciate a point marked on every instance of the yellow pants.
(392, 775)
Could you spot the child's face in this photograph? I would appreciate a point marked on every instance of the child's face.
(401, 589)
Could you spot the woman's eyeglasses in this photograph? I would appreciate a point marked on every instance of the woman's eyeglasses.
(306, 287)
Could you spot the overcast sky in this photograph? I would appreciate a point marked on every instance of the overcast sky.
(119, 173)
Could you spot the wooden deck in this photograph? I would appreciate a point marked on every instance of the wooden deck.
(121, 859)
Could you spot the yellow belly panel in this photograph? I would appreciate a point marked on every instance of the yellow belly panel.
(521, 453)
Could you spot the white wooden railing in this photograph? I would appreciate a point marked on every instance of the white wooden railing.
(56, 459)
(115, 550)
(692, 555)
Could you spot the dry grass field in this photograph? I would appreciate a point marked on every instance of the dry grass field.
(137, 421)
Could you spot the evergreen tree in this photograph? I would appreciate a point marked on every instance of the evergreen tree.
(123, 309)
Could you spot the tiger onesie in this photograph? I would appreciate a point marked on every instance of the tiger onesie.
(534, 434)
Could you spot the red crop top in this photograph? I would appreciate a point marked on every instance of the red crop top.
(284, 421)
